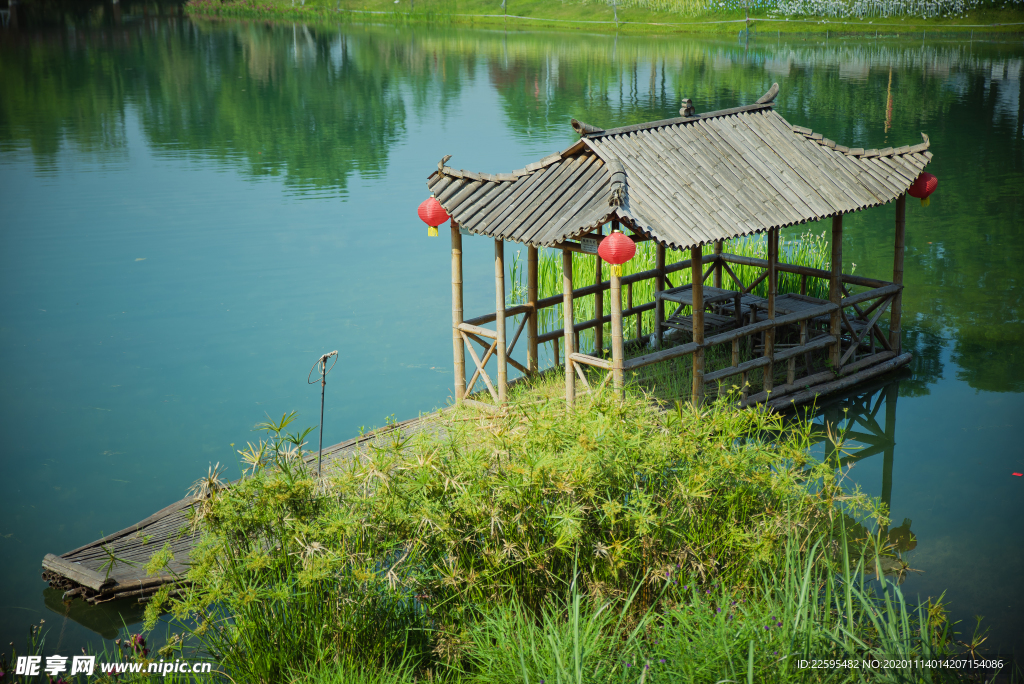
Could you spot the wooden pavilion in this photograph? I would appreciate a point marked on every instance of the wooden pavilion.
(684, 183)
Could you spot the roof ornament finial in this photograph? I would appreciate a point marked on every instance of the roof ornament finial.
(440, 164)
(617, 198)
(687, 108)
(585, 128)
(770, 95)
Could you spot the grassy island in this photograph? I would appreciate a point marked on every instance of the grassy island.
(618, 541)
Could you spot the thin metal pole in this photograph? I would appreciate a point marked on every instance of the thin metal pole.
(321, 363)
(323, 387)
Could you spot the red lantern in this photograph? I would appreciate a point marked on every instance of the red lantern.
(616, 249)
(922, 187)
(433, 214)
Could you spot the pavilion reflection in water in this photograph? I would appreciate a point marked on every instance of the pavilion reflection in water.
(866, 418)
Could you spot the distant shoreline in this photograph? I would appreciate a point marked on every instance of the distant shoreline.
(600, 18)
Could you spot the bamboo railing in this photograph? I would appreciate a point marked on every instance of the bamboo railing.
(853, 323)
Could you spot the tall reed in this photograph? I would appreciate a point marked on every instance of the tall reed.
(805, 249)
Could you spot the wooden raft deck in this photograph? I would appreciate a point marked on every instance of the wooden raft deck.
(82, 572)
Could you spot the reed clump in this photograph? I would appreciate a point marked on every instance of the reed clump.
(424, 548)
(805, 249)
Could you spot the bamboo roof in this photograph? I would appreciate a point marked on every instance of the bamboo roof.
(684, 182)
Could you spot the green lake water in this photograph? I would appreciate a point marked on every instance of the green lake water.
(192, 212)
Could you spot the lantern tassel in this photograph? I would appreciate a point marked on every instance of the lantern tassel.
(431, 231)
(617, 270)
(925, 201)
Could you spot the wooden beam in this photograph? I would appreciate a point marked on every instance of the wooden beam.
(698, 325)
(77, 572)
(843, 383)
(804, 270)
(499, 323)
(718, 265)
(457, 345)
(659, 286)
(859, 336)
(897, 273)
(817, 378)
(567, 320)
(532, 360)
(659, 356)
(768, 379)
(835, 290)
(617, 351)
(592, 361)
(509, 311)
(599, 299)
(515, 338)
(477, 330)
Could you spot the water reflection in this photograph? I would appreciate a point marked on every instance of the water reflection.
(866, 420)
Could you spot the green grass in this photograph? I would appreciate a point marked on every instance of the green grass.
(610, 543)
(806, 249)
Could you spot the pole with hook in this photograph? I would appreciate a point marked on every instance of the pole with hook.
(321, 364)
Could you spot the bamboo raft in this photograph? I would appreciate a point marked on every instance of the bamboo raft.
(87, 572)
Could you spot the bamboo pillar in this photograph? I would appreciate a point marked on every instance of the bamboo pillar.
(598, 306)
(835, 290)
(718, 265)
(457, 346)
(897, 274)
(616, 296)
(697, 273)
(499, 321)
(567, 324)
(532, 362)
(659, 286)
(773, 289)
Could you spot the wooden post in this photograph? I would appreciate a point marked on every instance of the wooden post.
(499, 321)
(457, 345)
(697, 275)
(598, 306)
(532, 362)
(718, 265)
(835, 290)
(567, 324)
(892, 392)
(773, 289)
(659, 286)
(616, 296)
(897, 274)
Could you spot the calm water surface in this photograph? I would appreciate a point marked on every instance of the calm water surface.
(193, 212)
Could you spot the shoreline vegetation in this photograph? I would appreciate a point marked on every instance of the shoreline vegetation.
(881, 18)
(613, 542)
